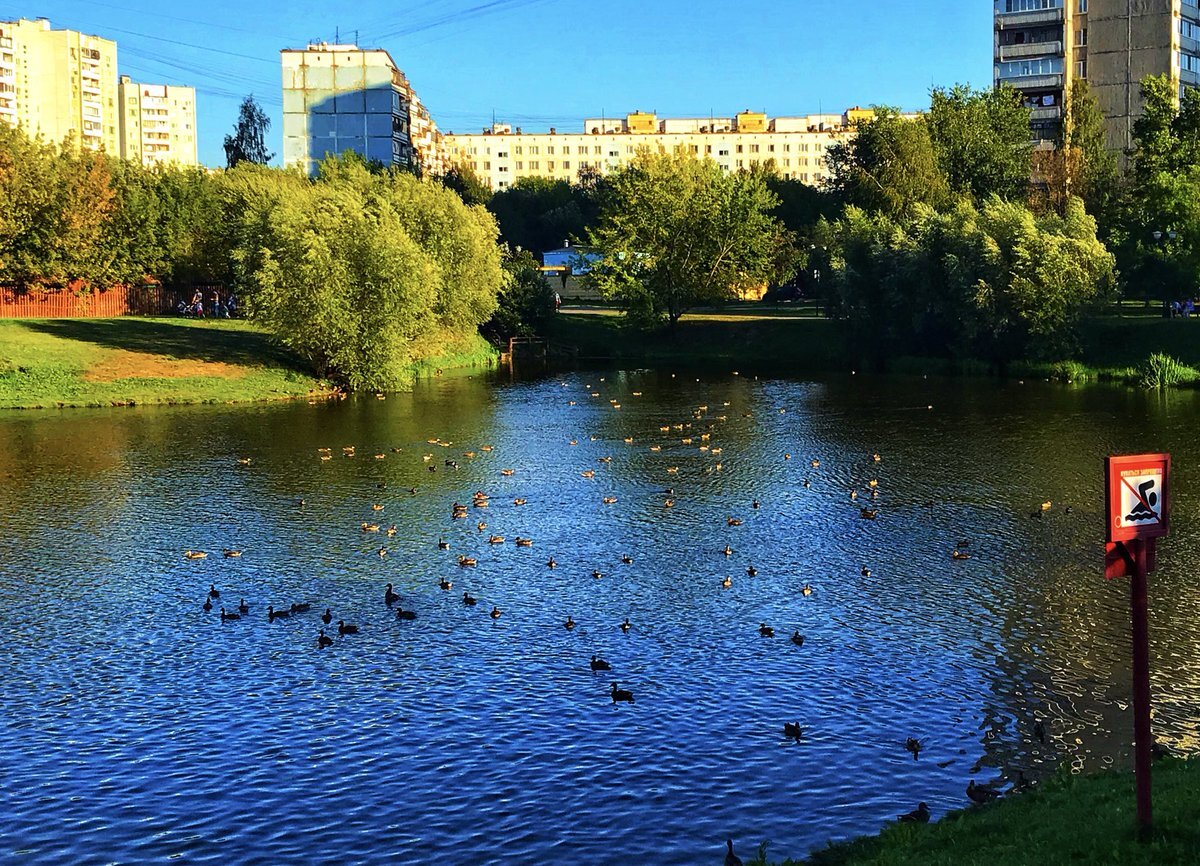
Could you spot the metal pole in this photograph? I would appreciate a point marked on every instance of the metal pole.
(1141, 685)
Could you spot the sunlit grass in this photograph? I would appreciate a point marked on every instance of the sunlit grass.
(1071, 819)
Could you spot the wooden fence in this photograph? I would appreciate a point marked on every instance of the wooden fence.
(104, 304)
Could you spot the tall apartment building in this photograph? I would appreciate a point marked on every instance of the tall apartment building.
(59, 84)
(1042, 46)
(158, 123)
(794, 145)
(342, 97)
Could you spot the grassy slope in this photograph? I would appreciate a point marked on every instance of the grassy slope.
(775, 337)
(740, 339)
(125, 361)
(1087, 819)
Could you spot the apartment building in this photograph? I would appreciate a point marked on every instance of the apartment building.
(794, 146)
(158, 123)
(1042, 46)
(59, 84)
(339, 97)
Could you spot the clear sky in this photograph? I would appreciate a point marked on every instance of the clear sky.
(541, 63)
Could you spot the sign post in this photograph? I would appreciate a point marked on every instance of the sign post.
(1137, 498)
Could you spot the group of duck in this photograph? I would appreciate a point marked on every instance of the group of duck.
(482, 500)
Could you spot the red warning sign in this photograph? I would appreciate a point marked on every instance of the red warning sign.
(1137, 496)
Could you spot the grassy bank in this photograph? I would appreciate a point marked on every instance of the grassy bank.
(1112, 348)
(135, 361)
(740, 338)
(1072, 819)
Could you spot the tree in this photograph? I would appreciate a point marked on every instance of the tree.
(526, 302)
(249, 140)
(1098, 176)
(992, 281)
(982, 141)
(889, 166)
(359, 273)
(677, 231)
(539, 214)
(469, 186)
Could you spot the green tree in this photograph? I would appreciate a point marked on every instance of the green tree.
(992, 281)
(249, 140)
(469, 185)
(677, 231)
(889, 166)
(526, 302)
(1097, 178)
(982, 141)
(538, 214)
(360, 273)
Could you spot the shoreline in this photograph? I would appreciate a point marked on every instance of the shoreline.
(131, 362)
(1081, 819)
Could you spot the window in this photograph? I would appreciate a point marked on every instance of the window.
(1081, 69)
(1189, 29)
(1081, 35)
(535, 165)
(1033, 5)
(1189, 62)
(566, 165)
(740, 148)
(1031, 67)
(1083, 6)
(754, 148)
(550, 165)
(520, 165)
(518, 150)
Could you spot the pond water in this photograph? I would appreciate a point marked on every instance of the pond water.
(138, 727)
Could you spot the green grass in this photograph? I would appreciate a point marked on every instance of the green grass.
(736, 337)
(128, 361)
(1071, 819)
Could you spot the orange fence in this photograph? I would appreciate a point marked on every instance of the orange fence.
(65, 304)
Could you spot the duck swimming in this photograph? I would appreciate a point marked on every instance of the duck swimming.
(495, 614)
(243, 608)
(273, 614)
(793, 731)
(323, 640)
(327, 616)
(598, 664)
(727, 582)
(346, 629)
(445, 584)
(621, 695)
(389, 596)
(625, 626)
(469, 600)
(797, 638)
(552, 563)
(766, 631)
(807, 590)
(569, 624)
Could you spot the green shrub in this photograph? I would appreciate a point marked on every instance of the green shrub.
(1070, 371)
(1163, 371)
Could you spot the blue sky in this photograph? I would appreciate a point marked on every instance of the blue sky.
(541, 63)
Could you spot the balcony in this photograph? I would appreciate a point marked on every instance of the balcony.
(1052, 81)
(1008, 20)
(1050, 112)
(1031, 49)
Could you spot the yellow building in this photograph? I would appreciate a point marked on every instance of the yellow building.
(59, 84)
(794, 146)
(158, 123)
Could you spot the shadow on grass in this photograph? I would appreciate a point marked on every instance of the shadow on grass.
(232, 345)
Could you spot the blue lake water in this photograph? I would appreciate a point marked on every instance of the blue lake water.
(136, 727)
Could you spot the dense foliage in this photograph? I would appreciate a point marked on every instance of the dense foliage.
(677, 231)
(992, 281)
(353, 270)
(360, 271)
(939, 251)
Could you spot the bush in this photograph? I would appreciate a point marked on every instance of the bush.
(1163, 371)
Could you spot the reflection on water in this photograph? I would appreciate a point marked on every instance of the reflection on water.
(138, 727)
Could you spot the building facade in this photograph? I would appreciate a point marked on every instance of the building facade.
(794, 146)
(158, 123)
(60, 85)
(342, 97)
(1042, 46)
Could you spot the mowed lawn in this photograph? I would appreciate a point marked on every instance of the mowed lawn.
(132, 361)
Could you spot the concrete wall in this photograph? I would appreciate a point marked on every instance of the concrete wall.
(1127, 40)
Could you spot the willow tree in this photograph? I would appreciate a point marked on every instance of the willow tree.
(677, 232)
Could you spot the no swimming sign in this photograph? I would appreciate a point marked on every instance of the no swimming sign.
(1138, 496)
